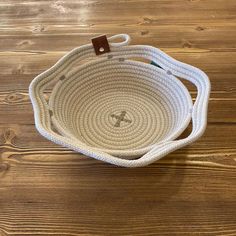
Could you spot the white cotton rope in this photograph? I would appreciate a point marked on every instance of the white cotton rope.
(118, 109)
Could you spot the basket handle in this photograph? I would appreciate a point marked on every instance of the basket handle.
(169, 64)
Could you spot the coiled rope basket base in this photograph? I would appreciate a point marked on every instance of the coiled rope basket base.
(117, 107)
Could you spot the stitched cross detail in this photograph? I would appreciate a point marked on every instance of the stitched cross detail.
(120, 118)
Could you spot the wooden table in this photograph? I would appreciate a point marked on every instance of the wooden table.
(46, 189)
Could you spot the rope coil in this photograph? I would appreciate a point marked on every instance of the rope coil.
(114, 108)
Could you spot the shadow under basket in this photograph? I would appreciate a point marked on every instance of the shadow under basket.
(119, 110)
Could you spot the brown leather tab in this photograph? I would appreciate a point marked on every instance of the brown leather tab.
(100, 45)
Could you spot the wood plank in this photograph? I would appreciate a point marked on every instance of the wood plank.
(167, 12)
(207, 36)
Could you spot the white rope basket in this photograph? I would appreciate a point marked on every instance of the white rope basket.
(118, 109)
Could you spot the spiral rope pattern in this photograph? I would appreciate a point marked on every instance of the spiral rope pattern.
(114, 108)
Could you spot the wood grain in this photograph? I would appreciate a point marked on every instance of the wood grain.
(46, 189)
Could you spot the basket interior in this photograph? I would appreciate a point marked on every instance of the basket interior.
(124, 107)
